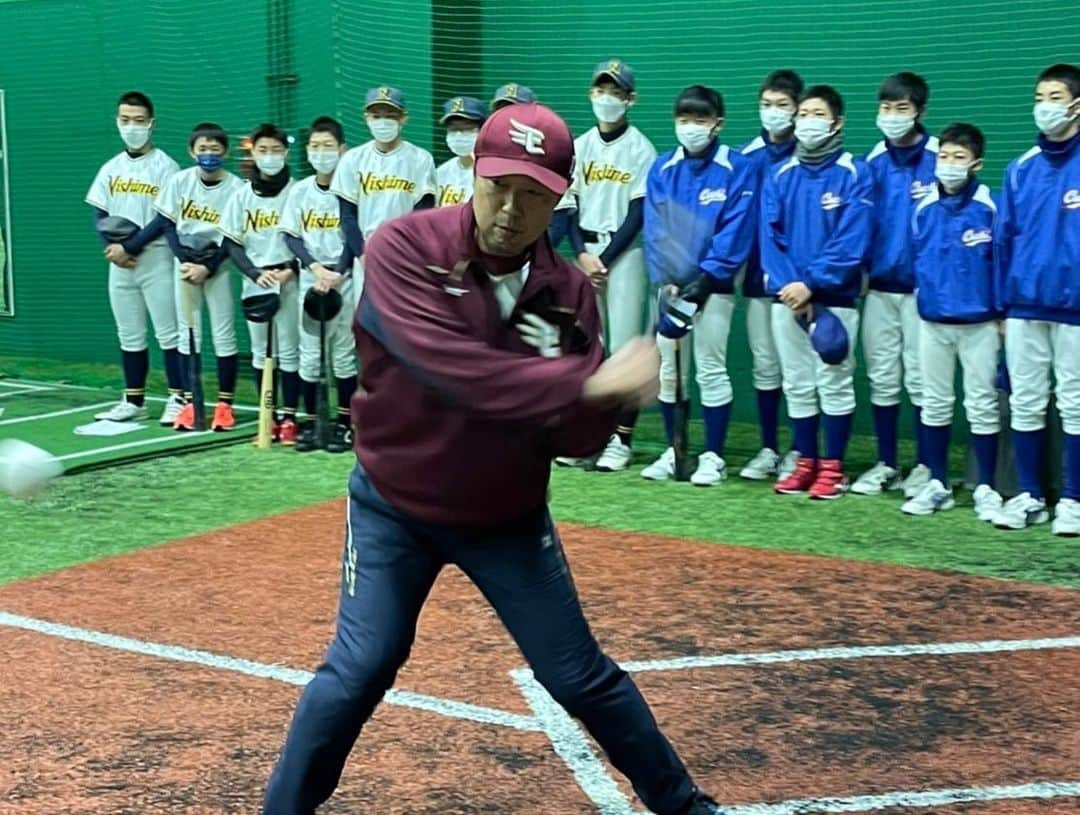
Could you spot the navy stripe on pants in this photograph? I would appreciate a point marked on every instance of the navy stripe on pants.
(389, 566)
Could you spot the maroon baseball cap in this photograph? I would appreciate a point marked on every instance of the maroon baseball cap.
(530, 140)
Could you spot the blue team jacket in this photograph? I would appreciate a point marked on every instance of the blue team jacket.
(1038, 234)
(766, 156)
(699, 217)
(954, 255)
(817, 221)
(903, 176)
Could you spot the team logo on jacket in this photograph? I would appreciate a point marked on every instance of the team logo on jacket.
(255, 220)
(920, 190)
(371, 183)
(830, 200)
(595, 173)
(132, 186)
(531, 138)
(1071, 200)
(973, 237)
(449, 196)
(191, 211)
(312, 220)
(711, 195)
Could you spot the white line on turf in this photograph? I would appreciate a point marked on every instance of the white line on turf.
(38, 385)
(52, 415)
(918, 798)
(851, 652)
(573, 747)
(18, 391)
(262, 670)
(96, 451)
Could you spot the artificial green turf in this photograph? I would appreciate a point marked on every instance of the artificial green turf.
(89, 516)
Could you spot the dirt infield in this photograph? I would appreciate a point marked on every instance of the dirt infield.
(94, 727)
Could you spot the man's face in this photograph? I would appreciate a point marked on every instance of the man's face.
(461, 125)
(323, 143)
(512, 212)
(776, 99)
(268, 147)
(133, 115)
(953, 153)
(897, 107)
(204, 145)
(381, 111)
(1051, 90)
(607, 87)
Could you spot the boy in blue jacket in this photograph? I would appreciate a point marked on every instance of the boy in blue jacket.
(817, 219)
(778, 99)
(954, 281)
(1038, 245)
(699, 220)
(902, 165)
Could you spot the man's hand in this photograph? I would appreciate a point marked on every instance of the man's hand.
(795, 295)
(283, 276)
(541, 335)
(594, 269)
(631, 375)
(325, 280)
(195, 273)
(266, 279)
(115, 254)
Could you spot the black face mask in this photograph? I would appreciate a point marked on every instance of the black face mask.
(269, 187)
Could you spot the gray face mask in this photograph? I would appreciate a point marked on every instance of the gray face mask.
(323, 161)
(776, 120)
(952, 176)
(1052, 117)
(895, 126)
(812, 131)
(271, 164)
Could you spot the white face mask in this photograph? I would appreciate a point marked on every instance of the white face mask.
(271, 163)
(1052, 117)
(813, 132)
(462, 142)
(952, 176)
(323, 161)
(895, 126)
(135, 136)
(384, 131)
(693, 137)
(607, 108)
(776, 120)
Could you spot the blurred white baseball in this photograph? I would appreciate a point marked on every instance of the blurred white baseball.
(26, 470)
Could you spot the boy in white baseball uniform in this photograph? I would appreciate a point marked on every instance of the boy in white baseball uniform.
(256, 245)
(140, 268)
(902, 166)
(462, 116)
(311, 223)
(383, 178)
(193, 202)
(1038, 244)
(604, 212)
(955, 291)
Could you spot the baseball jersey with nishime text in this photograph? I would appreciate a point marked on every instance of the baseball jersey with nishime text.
(608, 176)
(194, 206)
(128, 187)
(254, 222)
(311, 214)
(454, 182)
(384, 185)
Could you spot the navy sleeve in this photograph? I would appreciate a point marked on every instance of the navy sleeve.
(350, 225)
(344, 265)
(171, 238)
(98, 215)
(427, 202)
(151, 232)
(558, 226)
(238, 256)
(573, 232)
(299, 250)
(626, 233)
(218, 259)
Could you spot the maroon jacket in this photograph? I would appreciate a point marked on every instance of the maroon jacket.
(457, 419)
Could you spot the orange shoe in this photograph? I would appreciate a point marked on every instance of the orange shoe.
(224, 418)
(288, 432)
(185, 419)
(831, 482)
(800, 480)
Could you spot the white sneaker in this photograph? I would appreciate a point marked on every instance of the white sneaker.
(663, 468)
(711, 470)
(876, 480)
(933, 497)
(1066, 518)
(616, 456)
(123, 412)
(988, 502)
(570, 461)
(918, 478)
(762, 466)
(1021, 511)
(172, 410)
(788, 465)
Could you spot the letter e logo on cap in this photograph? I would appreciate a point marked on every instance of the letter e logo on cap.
(528, 137)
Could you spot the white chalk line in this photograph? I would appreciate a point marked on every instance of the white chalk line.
(43, 386)
(34, 417)
(262, 670)
(851, 652)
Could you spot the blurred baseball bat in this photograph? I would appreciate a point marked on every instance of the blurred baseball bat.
(266, 393)
(194, 371)
(682, 421)
(320, 393)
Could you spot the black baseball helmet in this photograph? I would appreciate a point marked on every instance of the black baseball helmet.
(197, 248)
(261, 308)
(323, 306)
(115, 229)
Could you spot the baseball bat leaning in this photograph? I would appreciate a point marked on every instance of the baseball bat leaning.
(266, 393)
(320, 394)
(194, 371)
(682, 420)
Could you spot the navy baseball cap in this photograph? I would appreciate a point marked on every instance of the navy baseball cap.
(385, 95)
(617, 71)
(827, 335)
(512, 93)
(463, 107)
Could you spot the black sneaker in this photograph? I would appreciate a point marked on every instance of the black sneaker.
(340, 439)
(308, 440)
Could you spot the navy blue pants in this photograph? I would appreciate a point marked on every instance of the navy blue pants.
(390, 564)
